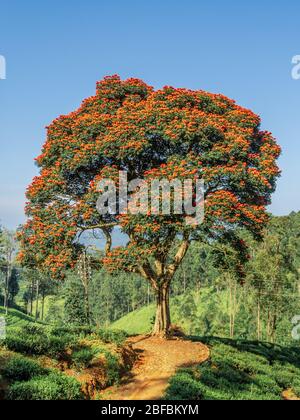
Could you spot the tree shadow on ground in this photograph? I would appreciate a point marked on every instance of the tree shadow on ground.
(272, 352)
(239, 370)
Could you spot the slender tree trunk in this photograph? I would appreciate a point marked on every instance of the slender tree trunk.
(184, 281)
(31, 297)
(258, 320)
(37, 299)
(268, 326)
(85, 275)
(230, 310)
(163, 318)
(87, 304)
(273, 328)
(198, 289)
(6, 292)
(148, 295)
(43, 305)
(232, 306)
(234, 309)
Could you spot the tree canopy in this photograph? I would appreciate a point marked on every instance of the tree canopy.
(150, 134)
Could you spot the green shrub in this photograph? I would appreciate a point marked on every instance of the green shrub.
(184, 387)
(296, 386)
(110, 336)
(112, 368)
(83, 356)
(267, 384)
(36, 340)
(283, 377)
(55, 386)
(20, 368)
(239, 370)
(71, 331)
(24, 343)
(57, 346)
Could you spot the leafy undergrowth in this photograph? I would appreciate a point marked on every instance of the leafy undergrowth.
(40, 362)
(239, 370)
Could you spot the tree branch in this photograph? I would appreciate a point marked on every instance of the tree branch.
(181, 253)
(146, 271)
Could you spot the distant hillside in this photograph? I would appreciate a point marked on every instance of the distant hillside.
(188, 311)
(15, 318)
(207, 313)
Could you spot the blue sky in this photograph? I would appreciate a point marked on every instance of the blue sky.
(56, 51)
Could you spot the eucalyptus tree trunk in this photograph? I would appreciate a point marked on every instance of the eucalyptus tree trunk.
(37, 299)
(43, 305)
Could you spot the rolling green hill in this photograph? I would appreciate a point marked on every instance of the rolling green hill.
(15, 318)
(184, 309)
(204, 313)
(137, 322)
(207, 313)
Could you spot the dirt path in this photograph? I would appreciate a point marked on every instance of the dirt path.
(157, 362)
(290, 396)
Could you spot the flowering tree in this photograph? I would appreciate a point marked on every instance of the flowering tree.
(169, 133)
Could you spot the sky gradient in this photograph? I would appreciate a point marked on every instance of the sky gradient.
(56, 51)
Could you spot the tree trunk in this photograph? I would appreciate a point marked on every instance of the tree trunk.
(163, 318)
(43, 305)
(37, 299)
(87, 304)
(31, 297)
(6, 292)
(258, 321)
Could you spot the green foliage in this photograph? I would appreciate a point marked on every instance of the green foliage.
(74, 308)
(184, 387)
(239, 370)
(72, 331)
(82, 357)
(112, 368)
(35, 340)
(55, 386)
(20, 368)
(55, 313)
(112, 336)
(15, 318)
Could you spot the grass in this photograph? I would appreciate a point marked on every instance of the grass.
(59, 303)
(137, 322)
(239, 370)
(15, 318)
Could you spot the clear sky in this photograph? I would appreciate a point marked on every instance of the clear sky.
(57, 50)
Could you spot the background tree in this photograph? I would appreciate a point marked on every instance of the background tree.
(170, 133)
(273, 271)
(9, 248)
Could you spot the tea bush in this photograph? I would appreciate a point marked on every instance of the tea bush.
(55, 386)
(111, 336)
(239, 371)
(20, 368)
(36, 340)
(83, 356)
